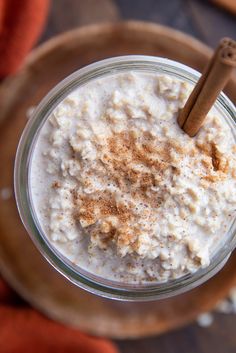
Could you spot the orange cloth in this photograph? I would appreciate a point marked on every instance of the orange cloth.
(23, 329)
(21, 23)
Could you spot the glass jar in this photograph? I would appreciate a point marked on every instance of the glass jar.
(78, 276)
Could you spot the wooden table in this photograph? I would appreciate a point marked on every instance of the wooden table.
(208, 23)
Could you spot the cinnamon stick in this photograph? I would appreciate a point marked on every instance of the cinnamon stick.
(190, 102)
(209, 86)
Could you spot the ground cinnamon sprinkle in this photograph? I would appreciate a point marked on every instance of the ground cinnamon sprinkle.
(104, 205)
(234, 173)
(213, 161)
(215, 157)
(103, 215)
(120, 154)
(124, 150)
(56, 185)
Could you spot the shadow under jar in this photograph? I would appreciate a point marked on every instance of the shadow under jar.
(150, 68)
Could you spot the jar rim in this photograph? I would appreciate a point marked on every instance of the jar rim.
(87, 281)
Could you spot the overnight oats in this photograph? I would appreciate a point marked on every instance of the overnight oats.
(121, 192)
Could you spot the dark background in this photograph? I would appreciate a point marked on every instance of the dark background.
(208, 23)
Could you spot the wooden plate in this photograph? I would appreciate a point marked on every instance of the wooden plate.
(20, 263)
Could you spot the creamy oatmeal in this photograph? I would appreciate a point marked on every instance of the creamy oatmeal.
(122, 191)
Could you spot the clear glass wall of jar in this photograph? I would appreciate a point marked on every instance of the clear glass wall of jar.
(78, 276)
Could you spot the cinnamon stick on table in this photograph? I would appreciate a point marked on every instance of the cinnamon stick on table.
(209, 86)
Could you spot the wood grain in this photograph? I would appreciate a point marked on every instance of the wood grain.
(20, 262)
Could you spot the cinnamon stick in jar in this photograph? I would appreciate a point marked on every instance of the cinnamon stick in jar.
(209, 86)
